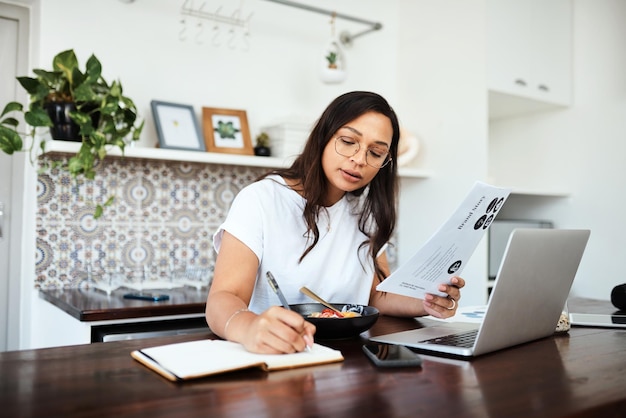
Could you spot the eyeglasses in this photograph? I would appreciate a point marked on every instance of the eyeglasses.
(375, 157)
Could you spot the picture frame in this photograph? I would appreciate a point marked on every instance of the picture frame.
(226, 131)
(177, 126)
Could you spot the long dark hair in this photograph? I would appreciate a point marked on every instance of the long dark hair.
(379, 201)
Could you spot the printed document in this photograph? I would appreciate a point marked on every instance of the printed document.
(447, 252)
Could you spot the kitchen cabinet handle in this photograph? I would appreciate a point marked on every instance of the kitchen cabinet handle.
(543, 87)
(520, 82)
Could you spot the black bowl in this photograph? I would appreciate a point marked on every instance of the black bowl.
(337, 328)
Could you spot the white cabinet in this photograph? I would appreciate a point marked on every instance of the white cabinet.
(529, 55)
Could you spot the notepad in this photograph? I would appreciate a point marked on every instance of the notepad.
(203, 358)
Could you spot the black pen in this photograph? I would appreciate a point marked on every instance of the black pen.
(274, 285)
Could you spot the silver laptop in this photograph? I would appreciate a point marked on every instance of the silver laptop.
(532, 285)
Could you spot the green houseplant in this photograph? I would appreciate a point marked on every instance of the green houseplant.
(100, 115)
(332, 59)
(262, 147)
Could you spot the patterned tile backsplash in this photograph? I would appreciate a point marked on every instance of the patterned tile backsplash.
(162, 219)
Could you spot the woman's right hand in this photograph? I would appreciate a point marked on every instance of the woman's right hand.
(276, 331)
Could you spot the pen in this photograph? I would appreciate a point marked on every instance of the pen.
(276, 289)
(274, 285)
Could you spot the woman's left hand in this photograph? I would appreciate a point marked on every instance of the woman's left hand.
(442, 306)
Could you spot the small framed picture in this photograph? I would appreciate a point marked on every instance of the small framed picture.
(177, 126)
(226, 130)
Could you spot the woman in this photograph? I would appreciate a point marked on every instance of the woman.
(323, 223)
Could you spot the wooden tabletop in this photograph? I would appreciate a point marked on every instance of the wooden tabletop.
(580, 374)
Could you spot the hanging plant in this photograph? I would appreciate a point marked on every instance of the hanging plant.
(332, 68)
(333, 65)
(332, 59)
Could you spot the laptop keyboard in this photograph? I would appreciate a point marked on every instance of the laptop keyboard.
(463, 339)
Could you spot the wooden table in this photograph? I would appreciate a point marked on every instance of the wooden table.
(581, 374)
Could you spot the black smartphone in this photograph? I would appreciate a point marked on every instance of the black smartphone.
(153, 297)
(390, 355)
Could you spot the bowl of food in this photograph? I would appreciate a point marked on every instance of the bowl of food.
(353, 320)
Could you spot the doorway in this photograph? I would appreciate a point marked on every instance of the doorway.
(14, 52)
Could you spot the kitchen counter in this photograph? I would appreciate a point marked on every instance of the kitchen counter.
(87, 315)
(93, 305)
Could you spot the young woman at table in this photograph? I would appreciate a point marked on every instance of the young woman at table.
(323, 223)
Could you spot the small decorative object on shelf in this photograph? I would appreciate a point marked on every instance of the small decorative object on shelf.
(177, 126)
(408, 147)
(262, 148)
(226, 131)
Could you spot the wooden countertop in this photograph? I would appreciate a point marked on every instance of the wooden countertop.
(95, 305)
(580, 374)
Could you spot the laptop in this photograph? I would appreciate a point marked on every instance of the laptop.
(532, 285)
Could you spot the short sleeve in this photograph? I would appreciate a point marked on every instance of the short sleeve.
(244, 221)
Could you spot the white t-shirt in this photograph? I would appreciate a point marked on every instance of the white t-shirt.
(267, 217)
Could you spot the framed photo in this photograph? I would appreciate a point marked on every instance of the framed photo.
(177, 126)
(226, 130)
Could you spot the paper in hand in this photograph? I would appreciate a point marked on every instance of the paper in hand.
(447, 252)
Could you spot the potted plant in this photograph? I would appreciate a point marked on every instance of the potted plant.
(100, 116)
(262, 147)
(332, 68)
(332, 59)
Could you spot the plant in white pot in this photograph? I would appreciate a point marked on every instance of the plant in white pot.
(333, 65)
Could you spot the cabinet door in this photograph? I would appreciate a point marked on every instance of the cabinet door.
(508, 48)
(551, 35)
(529, 50)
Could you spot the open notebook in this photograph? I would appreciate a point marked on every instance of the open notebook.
(531, 288)
(194, 359)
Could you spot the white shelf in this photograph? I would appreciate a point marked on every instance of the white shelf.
(416, 173)
(203, 157)
(539, 193)
(174, 155)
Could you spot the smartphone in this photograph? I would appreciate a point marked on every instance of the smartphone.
(390, 355)
(598, 320)
(153, 297)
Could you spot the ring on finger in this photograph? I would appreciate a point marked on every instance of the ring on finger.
(453, 304)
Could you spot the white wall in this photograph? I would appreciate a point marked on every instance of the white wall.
(275, 79)
(581, 149)
(428, 60)
(442, 97)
